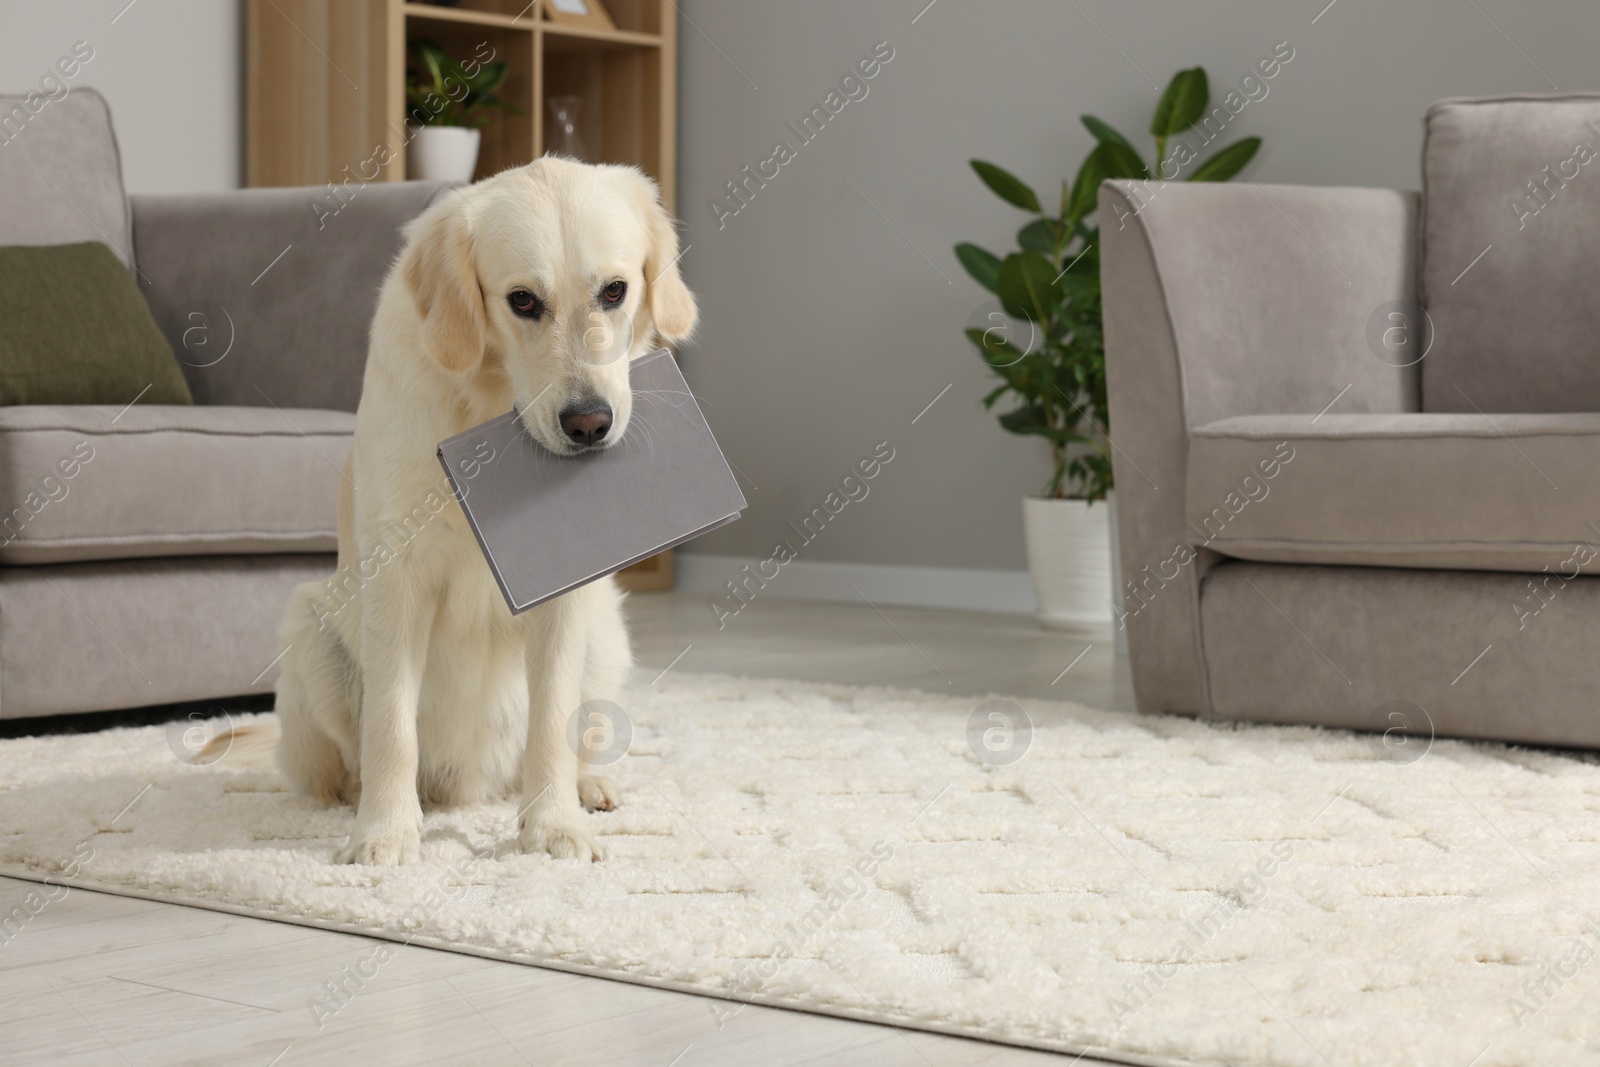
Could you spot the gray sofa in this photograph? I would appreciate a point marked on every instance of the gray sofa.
(157, 572)
(1358, 436)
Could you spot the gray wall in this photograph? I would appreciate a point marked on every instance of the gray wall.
(825, 330)
(172, 70)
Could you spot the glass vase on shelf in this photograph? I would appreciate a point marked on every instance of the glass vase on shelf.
(565, 113)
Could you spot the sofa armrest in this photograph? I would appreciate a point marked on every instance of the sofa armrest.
(1223, 300)
(265, 295)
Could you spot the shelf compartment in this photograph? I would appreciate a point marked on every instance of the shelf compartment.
(620, 121)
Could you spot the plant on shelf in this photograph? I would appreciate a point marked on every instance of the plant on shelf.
(444, 92)
(448, 103)
(1050, 289)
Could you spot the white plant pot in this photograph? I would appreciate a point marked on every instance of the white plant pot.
(1069, 556)
(443, 153)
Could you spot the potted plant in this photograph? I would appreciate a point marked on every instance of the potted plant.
(447, 103)
(1043, 340)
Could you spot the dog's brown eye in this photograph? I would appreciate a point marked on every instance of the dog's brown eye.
(612, 294)
(525, 304)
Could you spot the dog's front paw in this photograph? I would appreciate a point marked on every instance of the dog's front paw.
(562, 839)
(597, 793)
(382, 847)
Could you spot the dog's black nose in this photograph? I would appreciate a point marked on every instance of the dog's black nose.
(587, 425)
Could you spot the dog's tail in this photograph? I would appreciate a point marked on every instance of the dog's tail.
(249, 747)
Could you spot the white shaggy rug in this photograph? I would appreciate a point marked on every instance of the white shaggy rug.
(1154, 890)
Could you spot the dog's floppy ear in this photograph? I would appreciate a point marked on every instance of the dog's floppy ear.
(672, 306)
(443, 281)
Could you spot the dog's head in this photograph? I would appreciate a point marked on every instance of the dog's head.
(552, 278)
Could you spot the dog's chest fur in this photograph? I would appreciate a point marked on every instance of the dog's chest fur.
(472, 713)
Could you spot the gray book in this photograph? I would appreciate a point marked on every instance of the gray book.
(548, 524)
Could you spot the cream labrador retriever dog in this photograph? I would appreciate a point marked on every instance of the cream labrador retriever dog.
(422, 687)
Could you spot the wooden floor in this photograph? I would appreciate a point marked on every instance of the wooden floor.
(96, 979)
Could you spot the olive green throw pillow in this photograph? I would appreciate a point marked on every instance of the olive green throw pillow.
(74, 329)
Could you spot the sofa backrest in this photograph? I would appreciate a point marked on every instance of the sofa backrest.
(62, 173)
(1510, 233)
(266, 294)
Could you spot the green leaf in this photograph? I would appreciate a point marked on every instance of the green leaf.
(433, 58)
(1108, 160)
(1007, 186)
(1182, 104)
(1033, 420)
(1040, 235)
(1028, 288)
(1104, 133)
(1081, 266)
(1123, 162)
(1227, 162)
(490, 76)
(1026, 420)
(1086, 186)
(983, 266)
(996, 350)
(1067, 383)
(1081, 282)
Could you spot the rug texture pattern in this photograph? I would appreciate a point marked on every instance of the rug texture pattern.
(1155, 889)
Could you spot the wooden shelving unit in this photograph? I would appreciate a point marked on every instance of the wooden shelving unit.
(327, 84)
(325, 96)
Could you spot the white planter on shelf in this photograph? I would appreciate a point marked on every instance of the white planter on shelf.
(1070, 557)
(443, 153)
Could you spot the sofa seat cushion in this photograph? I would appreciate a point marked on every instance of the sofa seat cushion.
(98, 482)
(1478, 492)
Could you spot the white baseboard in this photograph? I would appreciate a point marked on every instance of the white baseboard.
(919, 587)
